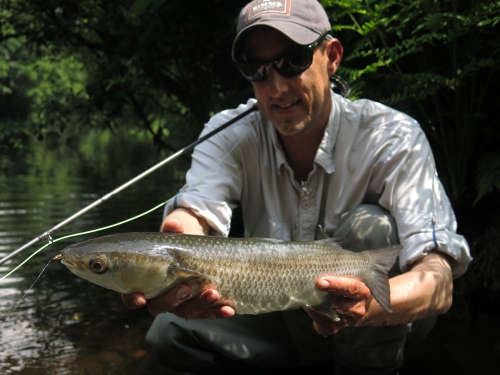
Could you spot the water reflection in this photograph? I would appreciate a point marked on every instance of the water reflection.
(66, 325)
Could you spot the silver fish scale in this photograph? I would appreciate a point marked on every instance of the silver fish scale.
(257, 278)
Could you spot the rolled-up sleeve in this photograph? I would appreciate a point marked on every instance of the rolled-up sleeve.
(412, 192)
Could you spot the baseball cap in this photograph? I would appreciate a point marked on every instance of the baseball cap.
(303, 21)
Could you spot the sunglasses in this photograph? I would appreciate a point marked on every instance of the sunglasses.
(290, 64)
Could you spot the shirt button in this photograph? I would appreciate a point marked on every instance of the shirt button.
(306, 205)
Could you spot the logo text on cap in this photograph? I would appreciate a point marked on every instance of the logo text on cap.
(258, 7)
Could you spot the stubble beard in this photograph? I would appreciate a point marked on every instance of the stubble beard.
(293, 128)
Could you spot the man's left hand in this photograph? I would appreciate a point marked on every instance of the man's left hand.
(351, 302)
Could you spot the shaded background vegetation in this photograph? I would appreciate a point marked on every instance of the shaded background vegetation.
(158, 69)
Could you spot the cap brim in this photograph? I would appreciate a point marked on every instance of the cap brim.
(297, 33)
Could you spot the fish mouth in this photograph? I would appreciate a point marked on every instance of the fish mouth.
(68, 263)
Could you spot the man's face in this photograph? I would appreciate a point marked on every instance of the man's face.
(295, 105)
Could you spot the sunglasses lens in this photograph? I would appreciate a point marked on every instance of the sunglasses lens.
(253, 72)
(296, 62)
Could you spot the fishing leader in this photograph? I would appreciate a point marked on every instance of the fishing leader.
(309, 164)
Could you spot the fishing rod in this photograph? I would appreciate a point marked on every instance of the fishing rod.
(337, 84)
(127, 184)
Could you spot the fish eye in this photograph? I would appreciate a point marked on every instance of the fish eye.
(98, 265)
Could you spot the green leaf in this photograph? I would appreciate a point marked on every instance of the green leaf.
(139, 6)
(487, 176)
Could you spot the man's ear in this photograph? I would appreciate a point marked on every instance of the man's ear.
(334, 52)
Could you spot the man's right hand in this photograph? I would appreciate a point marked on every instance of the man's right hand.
(177, 300)
(174, 301)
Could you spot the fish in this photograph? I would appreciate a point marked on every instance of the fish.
(252, 275)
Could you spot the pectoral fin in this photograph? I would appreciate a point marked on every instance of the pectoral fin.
(326, 309)
(184, 273)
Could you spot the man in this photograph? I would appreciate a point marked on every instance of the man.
(310, 164)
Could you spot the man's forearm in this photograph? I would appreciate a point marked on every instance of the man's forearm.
(425, 290)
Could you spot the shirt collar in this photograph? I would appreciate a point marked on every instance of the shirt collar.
(324, 155)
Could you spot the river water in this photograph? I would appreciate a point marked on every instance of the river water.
(65, 325)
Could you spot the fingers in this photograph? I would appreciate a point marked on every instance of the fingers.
(344, 287)
(176, 302)
(351, 295)
(344, 306)
(172, 225)
(350, 313)
(169, 300)
(325, 326)
(134, 301)
(201, 307)
(184, 221)
(351, 298)
(160, 304)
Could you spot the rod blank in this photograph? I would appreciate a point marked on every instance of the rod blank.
(126, 185)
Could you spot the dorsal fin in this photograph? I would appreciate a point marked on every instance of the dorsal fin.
(335, 240)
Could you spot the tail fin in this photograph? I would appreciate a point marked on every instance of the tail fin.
(376, 279)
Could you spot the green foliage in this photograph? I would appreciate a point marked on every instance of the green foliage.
(162, 67)
(139, 6)
(483, 272)
(15, 83)
(488, 175)
(37, 95)
(438, 61)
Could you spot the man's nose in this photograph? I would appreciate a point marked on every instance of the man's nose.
(277, 84)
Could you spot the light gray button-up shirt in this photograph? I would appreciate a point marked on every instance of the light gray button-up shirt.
(370, 153)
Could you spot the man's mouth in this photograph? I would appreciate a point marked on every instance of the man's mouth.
(285, 105)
